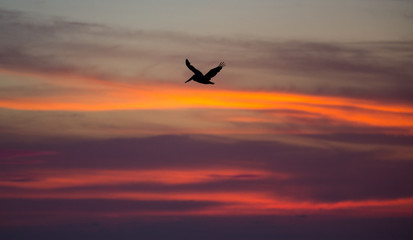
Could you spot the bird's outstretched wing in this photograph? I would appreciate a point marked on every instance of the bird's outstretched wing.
(214, 71)
(196, 71)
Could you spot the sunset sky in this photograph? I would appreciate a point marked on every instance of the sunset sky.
(307, 132)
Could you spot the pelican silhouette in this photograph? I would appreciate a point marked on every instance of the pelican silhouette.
(201, 78)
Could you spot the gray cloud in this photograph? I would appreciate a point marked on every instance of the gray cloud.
(366, 70)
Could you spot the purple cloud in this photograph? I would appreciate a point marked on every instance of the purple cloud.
(317, 174)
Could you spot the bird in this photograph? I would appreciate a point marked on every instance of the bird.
(201, 78)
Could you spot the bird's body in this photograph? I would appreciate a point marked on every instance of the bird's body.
(201, 78)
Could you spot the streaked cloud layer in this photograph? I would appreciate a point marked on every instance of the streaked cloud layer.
(98, 127)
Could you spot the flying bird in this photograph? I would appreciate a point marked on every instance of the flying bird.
(201, 78)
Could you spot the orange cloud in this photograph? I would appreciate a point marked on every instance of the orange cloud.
(50, 179)
(121, 96)
(240, 202)
(362, 112)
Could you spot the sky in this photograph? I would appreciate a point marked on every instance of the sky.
(307, 132)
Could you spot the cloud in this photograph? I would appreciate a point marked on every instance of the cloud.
(13, 157)
(55, 179)
(378, 70)
(98, 206)
(197, 111)
(13, 154)
(231, 169)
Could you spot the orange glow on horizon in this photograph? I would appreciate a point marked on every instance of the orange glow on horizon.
(106, 95)
(355, 111)
(157, 97)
